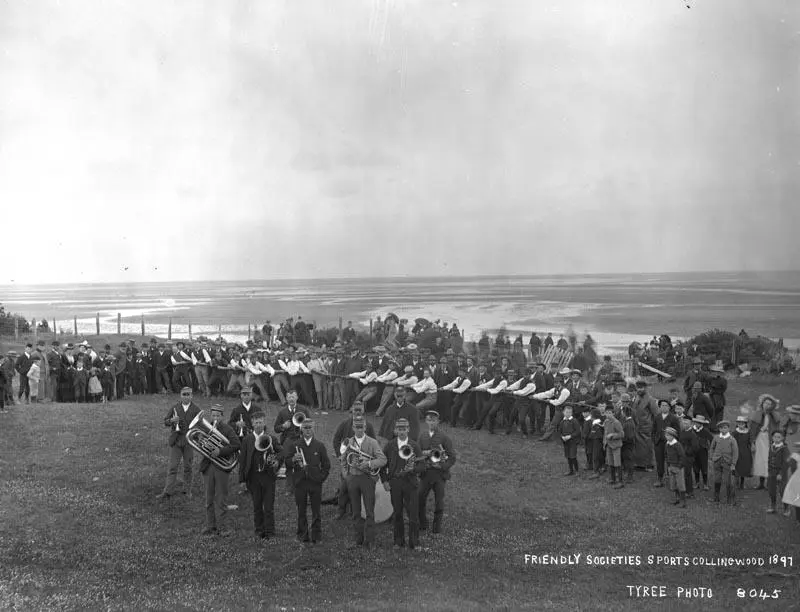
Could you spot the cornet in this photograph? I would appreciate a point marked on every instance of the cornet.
(300, 457)
(240, 423)
(175, 414)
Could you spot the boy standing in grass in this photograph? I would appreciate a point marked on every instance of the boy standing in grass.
(675, 459)
(628, 443)
(613, 444)
(778, 470)
(570, 431)
(722, 458)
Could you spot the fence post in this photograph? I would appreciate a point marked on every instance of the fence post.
(35, 329)
(370, 332)
(249, 330)
(142, 325)
(16, 328)
(190, 332)
(340, 328)
(97, 323)
(75, 324)
(55, 327)
(119, 323)
(169, 329)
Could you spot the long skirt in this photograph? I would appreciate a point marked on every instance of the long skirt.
(761, 458)
(791, 494)
(643, 452)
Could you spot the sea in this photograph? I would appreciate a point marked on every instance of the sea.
(615, 309)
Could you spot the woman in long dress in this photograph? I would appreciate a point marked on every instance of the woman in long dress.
(791, 494)
(763, 423)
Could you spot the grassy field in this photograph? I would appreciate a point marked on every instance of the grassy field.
(80, 529)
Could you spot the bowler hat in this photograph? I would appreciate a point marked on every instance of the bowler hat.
(697, 385)
(432, 413)
(700, 419)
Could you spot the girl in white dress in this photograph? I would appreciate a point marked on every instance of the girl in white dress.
(763, 423)
(791, 494)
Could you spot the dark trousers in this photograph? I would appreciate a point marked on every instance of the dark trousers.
(489, 413)
(302, 384)
(627, 455)
(571, 448)
(305, 491)
(181, 378)
(432, 479)
(360, 487)
(459, 401)
(774, 488)
(661, 456)
(687, 474)
(162, 381)
(217, 381)
(701, 465)
(444, 404)
(262, 489)
(216, 486)
(122, 382)
(108, 389)
(343, 497)
(404, 495)
(24, 387)
(522, 408)
(53, 389)
(79, 392)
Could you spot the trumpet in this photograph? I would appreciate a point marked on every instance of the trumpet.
(300, 457)
(205, 439)
(298, 419)
(240, 423)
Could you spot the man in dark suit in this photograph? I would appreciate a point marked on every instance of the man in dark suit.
(120, 369)
(311, 467)
(54, 371)
(178, 419)
(435, 474)
(22, 366)
(215, 479)
(288, 432)
(242, 415)
(443, 374)
(400, 477)
(257, 473)
(162, 363)
(664, 419)
(400, 409)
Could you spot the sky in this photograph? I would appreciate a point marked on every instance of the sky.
(198, 140)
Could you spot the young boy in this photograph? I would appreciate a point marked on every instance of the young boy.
(675, 459)
(704, 439)
(688, 440)
(722, 458)
(778, 470)
(744, 465)
(80, 380)
(628, 443)
(34, 374)
(594, 442)
(570, 431)
(613, 444)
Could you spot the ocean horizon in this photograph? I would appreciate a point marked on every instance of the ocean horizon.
(615, 308)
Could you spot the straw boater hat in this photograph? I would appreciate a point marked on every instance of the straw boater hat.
(741, 419)
(700, 419)
(766, 396)
(717, 367)
(794, 409)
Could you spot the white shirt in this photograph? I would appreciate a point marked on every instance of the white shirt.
(308, 442)
(426, 385)
(401, 444)
(548, 395)
(247, 406)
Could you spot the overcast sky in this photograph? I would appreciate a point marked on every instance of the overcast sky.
(156, 140)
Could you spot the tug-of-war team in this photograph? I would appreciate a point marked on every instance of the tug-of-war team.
(620, 426)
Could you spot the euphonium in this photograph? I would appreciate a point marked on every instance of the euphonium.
(263, 442)
(265, 447)
(205, 439)
(438, 455)
(298, 418)
(355, 455)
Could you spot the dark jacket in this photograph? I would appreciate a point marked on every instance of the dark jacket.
(675, 455)
(178, 438)
(293, 433)
(247, 417)
(426, 443)
(318, 464)
(248, 453)
(660, 424)
(395, 464)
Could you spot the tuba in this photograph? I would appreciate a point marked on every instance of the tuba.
(354, 455)
(298, 419)
(205, 438)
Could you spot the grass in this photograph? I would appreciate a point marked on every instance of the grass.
(80, 529)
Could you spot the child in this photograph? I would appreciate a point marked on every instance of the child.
(744, 466)
(594, 441)
(613, 444)
(107, 380)
(95, 388)
(791, 494)
(570, 431)
(628, 443)
(80, 380)
(778, 466)
(688, 440)
(722, 457)
(34, 374)
(675, 459)
(704, 439)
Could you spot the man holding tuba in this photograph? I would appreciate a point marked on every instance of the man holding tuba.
(361, 459)
(287, 424)
(215, 479)
(404, 461)
(178, 419)
(438, 448)
(258, 466)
